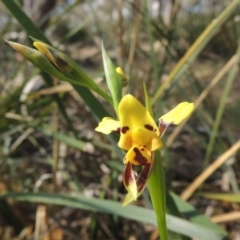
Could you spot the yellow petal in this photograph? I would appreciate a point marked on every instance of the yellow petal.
(42, 47)
(134, 116)
(178, 114)
(142, 136)
(108, 125)
(147, 138)
(128, 199)
(120, 72)
(132, 189)
(130, 181)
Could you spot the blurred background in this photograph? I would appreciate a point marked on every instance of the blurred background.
(42, 150)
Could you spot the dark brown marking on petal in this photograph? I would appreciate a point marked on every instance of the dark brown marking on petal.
(155, 130)
(142, 149)
(128, 176)
(162, 127)
(139, 157)
(149, 127)
(142, 177)
(124, 129)
(58, 62)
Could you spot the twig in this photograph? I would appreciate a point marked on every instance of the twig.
(186, 194)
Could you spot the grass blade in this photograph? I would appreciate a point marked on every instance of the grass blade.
(221, 107)
(31, 29)
(132, 212)
(113, 80)
(196, 48)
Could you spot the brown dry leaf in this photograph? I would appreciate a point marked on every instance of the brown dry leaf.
(40, 224)
(226, 217)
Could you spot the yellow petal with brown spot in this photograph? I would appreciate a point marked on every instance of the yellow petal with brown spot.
(134, 116)
(138, 156)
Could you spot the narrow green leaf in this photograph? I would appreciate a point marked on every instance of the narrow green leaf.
(196, 48)
(172, 209)
(72, 141)
(147, 100)
(96, 107)
(31, 29)
(76, 29)
(24, 20)
(113, 80)
(220, 110)
(108, 206)
(194, 215)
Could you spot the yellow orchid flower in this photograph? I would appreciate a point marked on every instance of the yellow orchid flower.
(140, 137)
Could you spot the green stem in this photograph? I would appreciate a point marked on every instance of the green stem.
(156, 184)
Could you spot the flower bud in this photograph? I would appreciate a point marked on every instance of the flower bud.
(123, 77)
(54, 57)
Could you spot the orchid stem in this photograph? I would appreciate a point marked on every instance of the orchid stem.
(156, 184)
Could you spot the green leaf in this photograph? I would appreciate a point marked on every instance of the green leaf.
(172, 209)
(113, 80)
(24, 20)
(31, 29)
(107, 206)
(96, 107)
(195, 216)
(147, 100)
(72, 141)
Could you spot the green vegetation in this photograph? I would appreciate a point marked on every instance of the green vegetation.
(59, 178)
